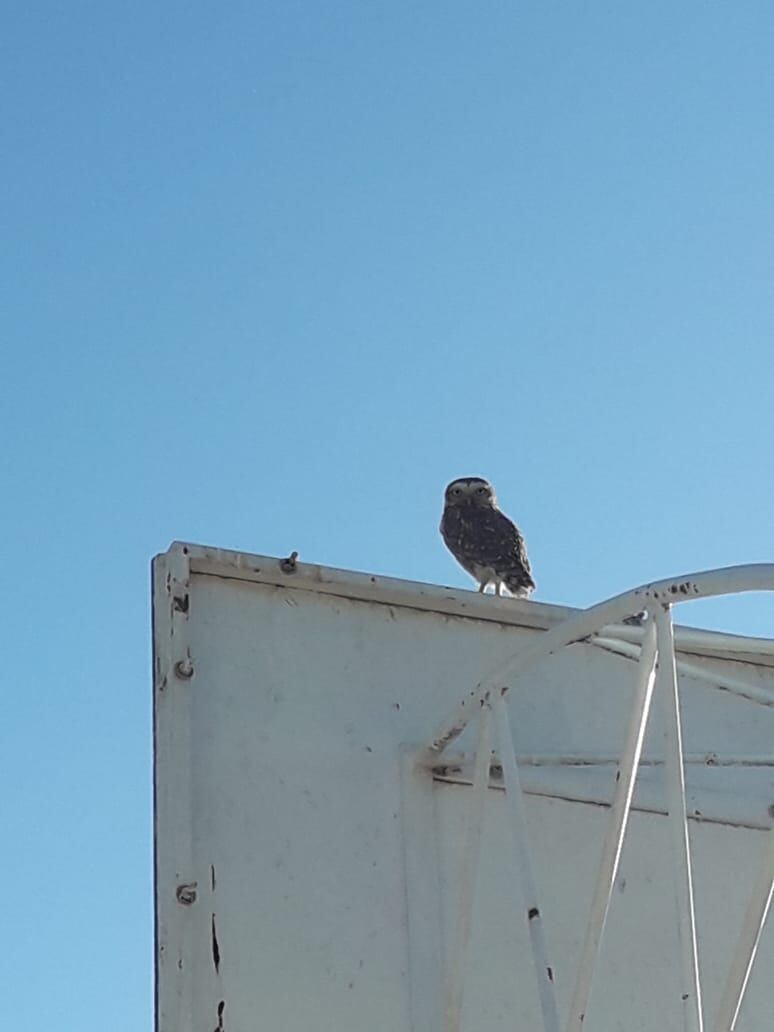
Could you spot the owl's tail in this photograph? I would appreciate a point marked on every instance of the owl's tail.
(519, 582)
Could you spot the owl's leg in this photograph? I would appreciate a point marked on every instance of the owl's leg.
(499, 589)
(482, 587)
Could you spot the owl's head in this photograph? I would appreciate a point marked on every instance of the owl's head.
(470, 491)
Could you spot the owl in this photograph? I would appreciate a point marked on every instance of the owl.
(483, 540)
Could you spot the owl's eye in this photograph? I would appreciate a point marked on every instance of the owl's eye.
(480, 490)
(456, 490)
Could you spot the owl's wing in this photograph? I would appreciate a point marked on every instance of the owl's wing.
(500, 539)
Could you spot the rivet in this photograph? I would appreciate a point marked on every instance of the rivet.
(289, 565)
(184, 669)
(186, 894)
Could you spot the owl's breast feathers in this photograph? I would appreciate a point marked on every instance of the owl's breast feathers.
(484, 536)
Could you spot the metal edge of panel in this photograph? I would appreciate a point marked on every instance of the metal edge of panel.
(591, 782)
(365, 587)
(457, 602)
(172, 860)
(155, 572)
(160, 632)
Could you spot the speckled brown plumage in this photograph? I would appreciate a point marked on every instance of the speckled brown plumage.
(483, 540)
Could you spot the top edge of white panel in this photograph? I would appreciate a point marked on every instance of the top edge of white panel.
(289, 572)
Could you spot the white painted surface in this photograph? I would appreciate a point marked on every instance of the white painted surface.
(281, 767)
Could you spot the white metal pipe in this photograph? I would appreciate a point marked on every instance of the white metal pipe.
(747, 944)
(456, 981)
(458, 762)
(757, 577)
(666, 677)
(614, 839)
(706, 671)
(514, 800)
(697, 640)
(705, 759)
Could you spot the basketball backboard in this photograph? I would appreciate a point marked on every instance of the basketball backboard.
(309, 869)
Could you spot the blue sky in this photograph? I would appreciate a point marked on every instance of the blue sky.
(273, 273)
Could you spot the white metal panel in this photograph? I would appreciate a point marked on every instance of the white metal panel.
(293, 835)
(637, 987)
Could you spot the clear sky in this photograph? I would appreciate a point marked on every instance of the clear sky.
(272, 274)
